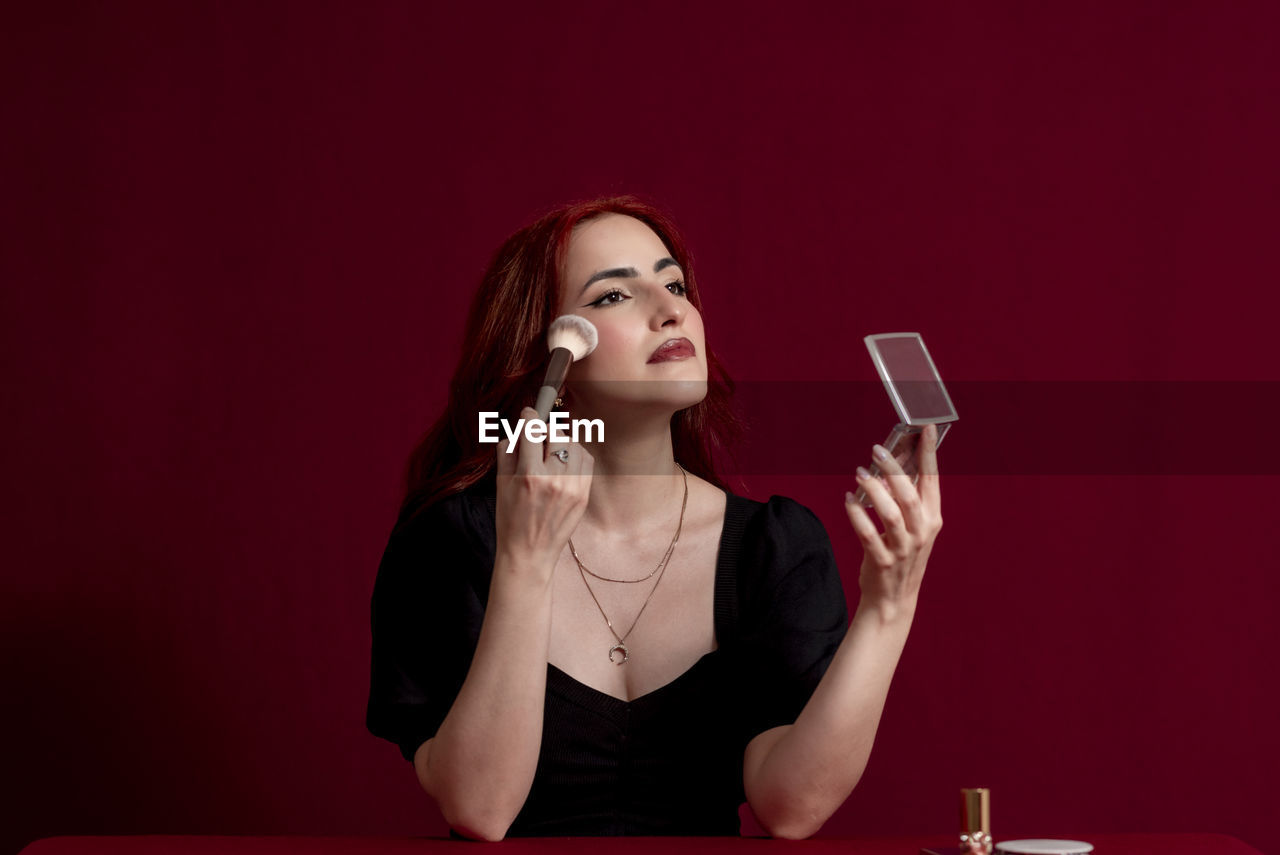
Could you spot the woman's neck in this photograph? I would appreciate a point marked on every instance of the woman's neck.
(634, 478)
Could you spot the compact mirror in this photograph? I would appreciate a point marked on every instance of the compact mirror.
(918, 395)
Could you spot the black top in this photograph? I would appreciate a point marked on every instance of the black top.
(667, 762)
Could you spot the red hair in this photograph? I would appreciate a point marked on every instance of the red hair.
(504, 355)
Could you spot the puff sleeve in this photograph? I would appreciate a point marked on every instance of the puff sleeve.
(425, 616)
(792, 613)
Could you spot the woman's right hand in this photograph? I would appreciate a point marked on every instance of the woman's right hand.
(540, 499)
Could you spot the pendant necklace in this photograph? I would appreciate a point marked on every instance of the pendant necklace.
(621, 646)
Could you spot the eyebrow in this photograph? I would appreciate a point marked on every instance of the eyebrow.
(628, 272)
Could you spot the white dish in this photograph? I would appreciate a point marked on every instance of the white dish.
(1044, 847)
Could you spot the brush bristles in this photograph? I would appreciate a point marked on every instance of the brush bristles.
(573, 332)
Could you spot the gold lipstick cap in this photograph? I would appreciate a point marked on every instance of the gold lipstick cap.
(975, 811)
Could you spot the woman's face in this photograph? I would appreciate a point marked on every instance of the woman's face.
(619, 275)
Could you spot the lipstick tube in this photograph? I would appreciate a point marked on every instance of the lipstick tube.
(975, 821)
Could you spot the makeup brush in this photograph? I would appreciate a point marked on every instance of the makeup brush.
(570, 337)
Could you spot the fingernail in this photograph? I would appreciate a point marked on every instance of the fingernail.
(863, 474)
(879, 452)
(848, 497)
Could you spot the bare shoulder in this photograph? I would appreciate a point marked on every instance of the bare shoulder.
(706, 504)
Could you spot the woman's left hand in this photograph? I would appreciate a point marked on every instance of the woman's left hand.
(893, 562)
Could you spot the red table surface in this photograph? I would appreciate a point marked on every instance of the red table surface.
(1105, 844)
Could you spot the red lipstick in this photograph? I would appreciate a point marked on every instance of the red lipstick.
(675, 348)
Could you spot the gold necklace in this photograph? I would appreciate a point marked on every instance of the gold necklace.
(621, 646)
(665, 557)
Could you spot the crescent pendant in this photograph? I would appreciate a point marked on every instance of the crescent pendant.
(620, 648)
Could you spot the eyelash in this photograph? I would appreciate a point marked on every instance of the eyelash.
(603, 297)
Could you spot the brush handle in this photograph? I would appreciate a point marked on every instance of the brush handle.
(546, 397)
(557, 370)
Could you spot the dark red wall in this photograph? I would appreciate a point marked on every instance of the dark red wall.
(238, 243)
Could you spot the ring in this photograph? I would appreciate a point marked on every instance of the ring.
(563, 454)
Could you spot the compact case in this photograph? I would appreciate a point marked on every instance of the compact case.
(1044, 847)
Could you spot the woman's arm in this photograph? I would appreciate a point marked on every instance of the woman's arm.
(796, 776)
(480, 764)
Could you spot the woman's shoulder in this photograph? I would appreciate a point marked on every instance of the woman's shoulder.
(776, 513)
(784, 559)
(467, 514)
(778, 517)
(453, 508)
(772, 537)
(439, 552)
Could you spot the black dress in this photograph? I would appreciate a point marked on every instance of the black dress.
(667, 762)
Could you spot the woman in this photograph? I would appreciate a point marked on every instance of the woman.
(597, 637)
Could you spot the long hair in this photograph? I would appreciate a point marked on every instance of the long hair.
(504, 356)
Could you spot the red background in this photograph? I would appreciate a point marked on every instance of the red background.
(239, 240)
